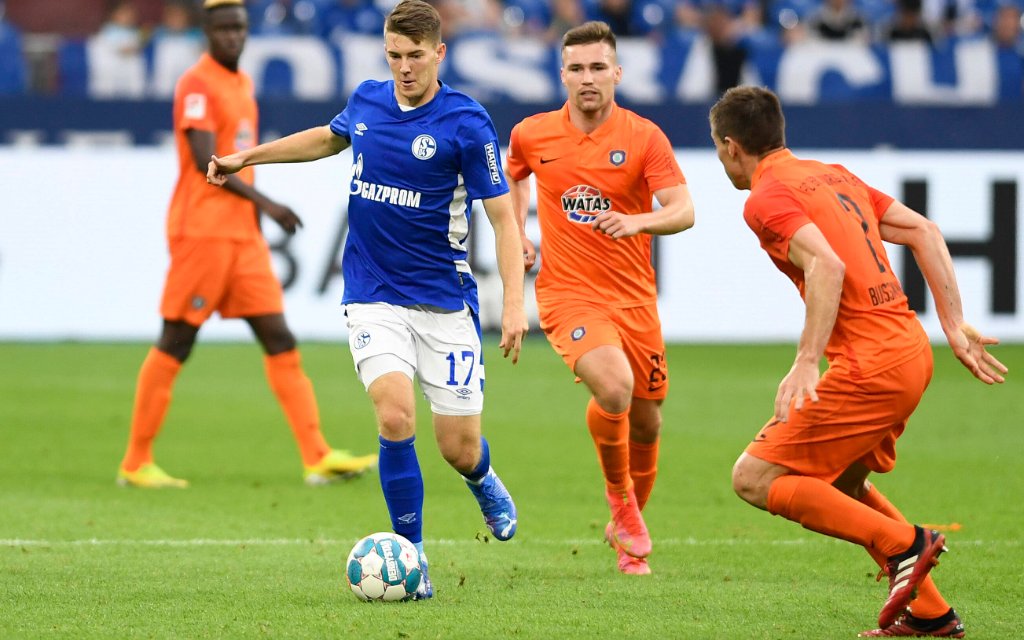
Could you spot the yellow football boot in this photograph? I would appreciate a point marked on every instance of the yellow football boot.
(338, 464)
(149, 476)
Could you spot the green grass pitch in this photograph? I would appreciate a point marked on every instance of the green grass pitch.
(250, 552)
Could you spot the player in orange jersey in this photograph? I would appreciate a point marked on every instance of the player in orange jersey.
(598, 168)
(824, 228)
(221, 262)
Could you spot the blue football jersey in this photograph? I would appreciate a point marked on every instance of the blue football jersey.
(415, 175)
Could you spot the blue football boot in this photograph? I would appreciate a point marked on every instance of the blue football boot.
(425, 590)
(496, 504)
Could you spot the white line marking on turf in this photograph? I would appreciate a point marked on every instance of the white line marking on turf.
(280, 542)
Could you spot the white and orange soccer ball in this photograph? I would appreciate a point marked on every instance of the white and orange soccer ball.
(383, 566)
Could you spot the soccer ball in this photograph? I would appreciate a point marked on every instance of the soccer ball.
(383, 566)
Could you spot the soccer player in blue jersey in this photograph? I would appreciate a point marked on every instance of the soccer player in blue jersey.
(422, 153)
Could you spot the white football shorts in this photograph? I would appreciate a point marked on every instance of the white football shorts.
(438, 348)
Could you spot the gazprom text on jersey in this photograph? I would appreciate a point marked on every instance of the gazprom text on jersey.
(386, 193)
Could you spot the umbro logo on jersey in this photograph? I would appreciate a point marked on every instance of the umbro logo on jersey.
(360, 128)
(547, 160)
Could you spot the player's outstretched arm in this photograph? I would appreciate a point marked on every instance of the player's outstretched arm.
(304, 146)
(201, 144)
(509, 250)
(902, 225)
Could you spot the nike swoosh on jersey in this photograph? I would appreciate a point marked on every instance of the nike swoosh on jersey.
(547, 160)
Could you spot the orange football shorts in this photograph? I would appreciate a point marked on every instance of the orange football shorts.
(574, 327)
(853, 420)
(232, 277)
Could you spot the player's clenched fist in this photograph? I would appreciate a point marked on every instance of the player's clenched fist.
(219, 169)
(616, 224)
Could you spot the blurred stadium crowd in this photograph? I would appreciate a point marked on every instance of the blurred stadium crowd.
(32, 32)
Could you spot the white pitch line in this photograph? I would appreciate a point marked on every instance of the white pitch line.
(569, 542)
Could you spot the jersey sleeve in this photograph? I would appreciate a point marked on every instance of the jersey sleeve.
(196, 108)
(774, 215)
(518, 167)
(480, 157)
(339, 125)
(880, 202)
(660, 167)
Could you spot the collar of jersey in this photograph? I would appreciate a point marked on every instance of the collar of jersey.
(207, 61)
(418, 111)
(769, 161)
(606, 129)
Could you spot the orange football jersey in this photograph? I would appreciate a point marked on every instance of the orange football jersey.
(875, 328)
(209, 97)
(617, 167)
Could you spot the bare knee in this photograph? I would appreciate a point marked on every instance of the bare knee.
(613, 393)
(273, 333)
(180, 350)
(746, 487)
(607, 373)
(177, 339)
(395, 422)
(394, 405)
(752, 478)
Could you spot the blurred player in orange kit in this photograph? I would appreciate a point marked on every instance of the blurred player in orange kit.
(221, 262)
(824, 229)
(598, 168)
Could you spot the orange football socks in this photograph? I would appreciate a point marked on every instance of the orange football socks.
(643, 469)
(819, 506)
(294, 392)
(152, 397)
(611, 438)
(929, 603)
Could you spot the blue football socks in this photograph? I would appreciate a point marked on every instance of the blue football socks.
(480, 471)
(402, 482)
